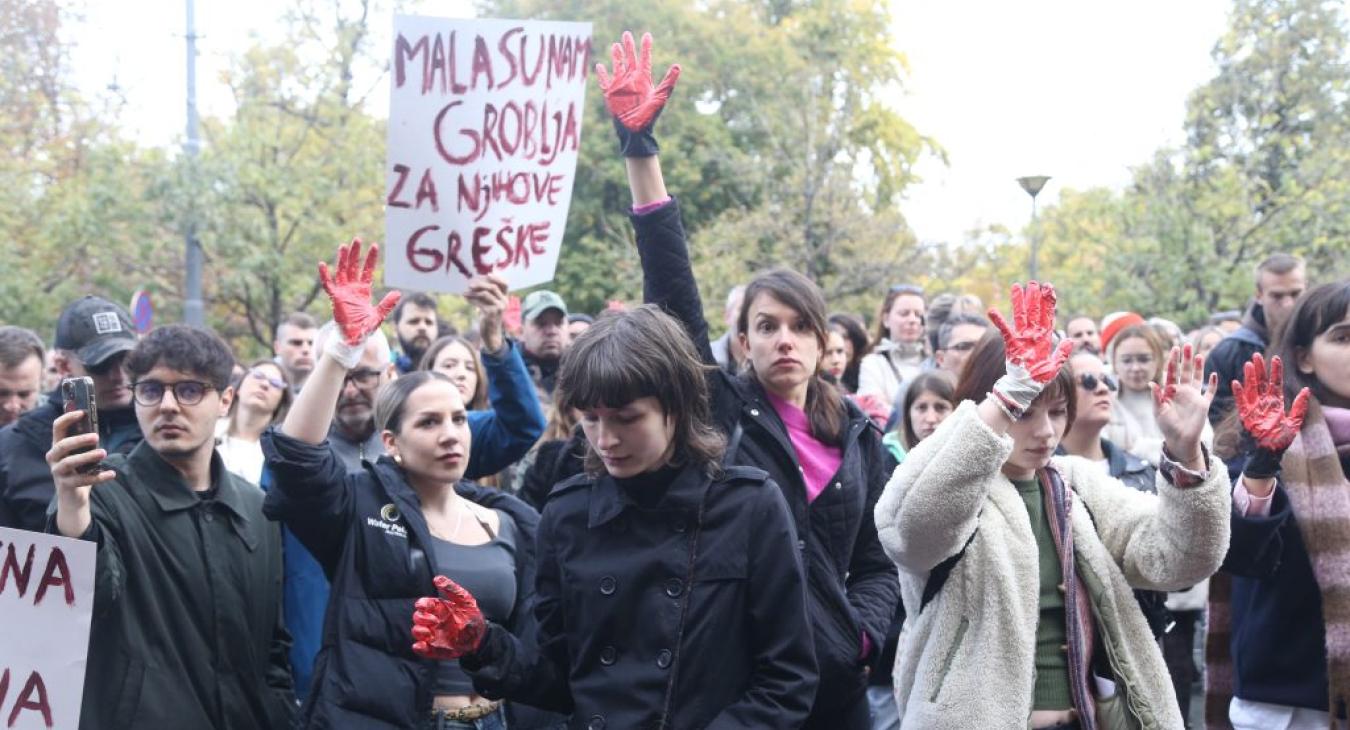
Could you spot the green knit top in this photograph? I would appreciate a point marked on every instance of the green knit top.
(1052, 661)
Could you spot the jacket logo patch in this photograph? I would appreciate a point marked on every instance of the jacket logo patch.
(390, 528)
(389, 513)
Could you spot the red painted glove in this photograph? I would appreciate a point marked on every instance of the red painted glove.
(349, 290)
(448, 627)
(630, 97)
(1033, 358)
(1260, 405)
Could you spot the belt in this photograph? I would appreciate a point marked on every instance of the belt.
(468, 713)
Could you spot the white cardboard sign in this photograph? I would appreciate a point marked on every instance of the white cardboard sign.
(46, 606)
(484, 130)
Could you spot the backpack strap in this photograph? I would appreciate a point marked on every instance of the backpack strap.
(937, 577)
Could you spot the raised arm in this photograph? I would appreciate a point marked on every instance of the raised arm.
(356, 317)
(505, 432)
(634, 103)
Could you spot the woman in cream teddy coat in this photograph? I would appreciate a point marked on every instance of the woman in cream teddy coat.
(968, 655)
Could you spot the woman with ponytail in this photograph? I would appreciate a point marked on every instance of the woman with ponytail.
(780, 415)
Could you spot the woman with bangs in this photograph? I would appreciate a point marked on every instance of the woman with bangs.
(781, 414)
(669, 589)
(1017, 566)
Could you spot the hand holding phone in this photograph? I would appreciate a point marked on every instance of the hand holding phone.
(77, 394)
(75, 458)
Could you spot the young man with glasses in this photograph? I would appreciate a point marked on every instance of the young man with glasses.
(188, 629)
(93, 336)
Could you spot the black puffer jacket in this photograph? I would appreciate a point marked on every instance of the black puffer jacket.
(367, 531)
(852, 587)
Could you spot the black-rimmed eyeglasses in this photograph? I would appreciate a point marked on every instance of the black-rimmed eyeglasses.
(149, 393)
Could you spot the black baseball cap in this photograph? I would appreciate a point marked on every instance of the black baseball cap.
(94, 329)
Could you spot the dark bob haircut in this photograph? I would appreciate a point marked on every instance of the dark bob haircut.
(640, 353)
(190, 350)
(988, 363)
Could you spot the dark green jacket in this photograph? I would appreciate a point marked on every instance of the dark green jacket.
(187, 626)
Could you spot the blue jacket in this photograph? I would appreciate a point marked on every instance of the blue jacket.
(1278, 638)
(501, 436)
(367, 532)
(1228, 357)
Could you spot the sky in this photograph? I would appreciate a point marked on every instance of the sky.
(1080, 90)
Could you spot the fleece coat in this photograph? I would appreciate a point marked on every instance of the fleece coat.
(967, 660)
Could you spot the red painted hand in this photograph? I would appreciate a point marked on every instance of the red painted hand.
(448, 627)
(629, 94)
(1260, 404)
(1030, 342)
(349, 290)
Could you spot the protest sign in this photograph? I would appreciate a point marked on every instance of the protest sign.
(46, 605)
(484, 129)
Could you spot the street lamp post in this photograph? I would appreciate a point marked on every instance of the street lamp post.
(1033, 184)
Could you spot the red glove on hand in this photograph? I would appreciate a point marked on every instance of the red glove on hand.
(448, 627)
(630, 97)
(349, 290)
(1260, 405)
(1033, 358)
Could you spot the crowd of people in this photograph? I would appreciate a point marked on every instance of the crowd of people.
(972, 517)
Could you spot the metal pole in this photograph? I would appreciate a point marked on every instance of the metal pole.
(1035, 239)
(193, 308)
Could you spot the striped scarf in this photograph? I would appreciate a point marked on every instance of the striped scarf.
(1077, 603)
(1319, 496)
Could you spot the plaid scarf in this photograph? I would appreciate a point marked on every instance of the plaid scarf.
(1319, 495)
(1077, 603)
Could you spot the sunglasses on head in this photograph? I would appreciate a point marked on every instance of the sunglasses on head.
(907, 289)
(1090, 381)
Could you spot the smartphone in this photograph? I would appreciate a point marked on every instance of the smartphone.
(78, 395)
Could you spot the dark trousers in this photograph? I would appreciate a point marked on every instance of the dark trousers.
(1178, 648)
(852, 714)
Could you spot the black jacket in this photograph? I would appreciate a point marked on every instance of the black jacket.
(554, 463)
(613, 577)
(1228, 357)
(852, 587)
(27, 488)
(367, 531)
(187, 629)
(1278, 637)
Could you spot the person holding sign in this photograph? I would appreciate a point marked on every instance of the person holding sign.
(383, 532)
(824, 453)
(187, 628)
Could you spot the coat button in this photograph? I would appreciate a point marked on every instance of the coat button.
(801, 545)
(597, 723)
(663, 659)
(607, 585)
(674, 587)
(678, 524)
(608, 655)
(754, 411)
(838, 485)
(208, 516)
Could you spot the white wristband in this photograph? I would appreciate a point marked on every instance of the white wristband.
(335, 344)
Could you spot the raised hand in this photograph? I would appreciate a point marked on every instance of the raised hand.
(1260, 405)
(349, 290)
(1181, 404)
(73, 461)
(1033, 358)
(450, 626)
(630, 96)
(489, 294)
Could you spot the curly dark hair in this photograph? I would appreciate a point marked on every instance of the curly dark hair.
(187, 349)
